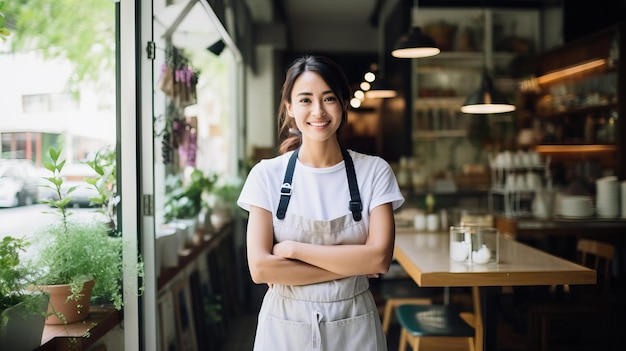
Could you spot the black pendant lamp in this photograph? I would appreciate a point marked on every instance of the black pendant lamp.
(414, 43)
(486, 99)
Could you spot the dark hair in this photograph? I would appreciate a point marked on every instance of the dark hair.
(332, 74)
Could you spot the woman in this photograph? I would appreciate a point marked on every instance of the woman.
(321, 220)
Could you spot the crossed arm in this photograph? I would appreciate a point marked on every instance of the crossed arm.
(296, 263)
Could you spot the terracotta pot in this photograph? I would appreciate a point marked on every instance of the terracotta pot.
(71, 311)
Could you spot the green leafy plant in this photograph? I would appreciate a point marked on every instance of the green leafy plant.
(184, 200)
(224, 193)
(16, 278)
(74, 251)
(23, 310)
(103, 162)
(4, 32)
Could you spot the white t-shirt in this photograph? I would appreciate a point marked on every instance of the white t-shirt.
(321, 193)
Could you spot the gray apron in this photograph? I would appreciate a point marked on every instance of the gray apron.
(339, 315)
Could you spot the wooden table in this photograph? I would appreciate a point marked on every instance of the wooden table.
(425, 257)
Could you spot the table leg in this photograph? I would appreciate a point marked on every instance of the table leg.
(478, 314)
(486, 318)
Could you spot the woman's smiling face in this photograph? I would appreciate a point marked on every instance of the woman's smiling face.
(315, 107)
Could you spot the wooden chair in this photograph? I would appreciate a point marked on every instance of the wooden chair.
(396, 292)
(419, 320)
(597, 255)
(582, 321)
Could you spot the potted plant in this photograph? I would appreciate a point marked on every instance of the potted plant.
(75, 256)
(22, 311)
(222, 199)
(184, 200)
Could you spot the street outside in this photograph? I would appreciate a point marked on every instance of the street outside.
(26, 220)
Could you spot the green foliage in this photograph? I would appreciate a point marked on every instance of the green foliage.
(55, 166)
(4, 32)
(225, 193)
(184, 200)
(79, 251)
(81, 31)
(73, 252)
(103, 163)
(15, 277)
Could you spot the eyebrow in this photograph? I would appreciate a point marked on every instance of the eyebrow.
(309, 93)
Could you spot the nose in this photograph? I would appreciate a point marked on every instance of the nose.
(318, 109)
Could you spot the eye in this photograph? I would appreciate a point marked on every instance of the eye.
(304, 100)
(331, 98)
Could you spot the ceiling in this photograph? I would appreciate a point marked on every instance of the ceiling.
(348, 25)
(321, 25)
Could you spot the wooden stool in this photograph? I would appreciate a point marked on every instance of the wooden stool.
(433, 321)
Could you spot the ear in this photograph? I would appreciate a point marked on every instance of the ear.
(288, 108)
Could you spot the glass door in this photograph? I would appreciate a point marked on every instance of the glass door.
(179, 115)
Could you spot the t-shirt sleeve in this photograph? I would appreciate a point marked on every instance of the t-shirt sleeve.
(385, 187)
(255, 190)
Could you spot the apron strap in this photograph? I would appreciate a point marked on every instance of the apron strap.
(285, 190)
(355, 205)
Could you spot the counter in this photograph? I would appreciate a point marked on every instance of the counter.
(536, 228)
(560, 235)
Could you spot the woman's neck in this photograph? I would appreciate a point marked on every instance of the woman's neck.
(320, 155)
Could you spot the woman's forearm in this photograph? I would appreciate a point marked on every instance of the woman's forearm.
(373, 257)
(278, 270)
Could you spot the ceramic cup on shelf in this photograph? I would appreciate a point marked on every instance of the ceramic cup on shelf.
(520, 182)
(432, 222)
(419, 221)
(533, 181)
(510, 182)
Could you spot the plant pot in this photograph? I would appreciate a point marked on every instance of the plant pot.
(64, 311)
(189, 225)
(220, 217)
(167, 247)
(25, 323)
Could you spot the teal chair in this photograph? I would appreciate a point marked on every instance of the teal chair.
(422, 320)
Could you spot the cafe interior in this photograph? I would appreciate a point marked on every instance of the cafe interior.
(501, 121)
(545, 174)
(543, 165)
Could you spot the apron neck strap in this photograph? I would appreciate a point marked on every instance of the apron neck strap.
(355, 205)
(285, 189)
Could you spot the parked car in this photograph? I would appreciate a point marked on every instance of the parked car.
(19, 183)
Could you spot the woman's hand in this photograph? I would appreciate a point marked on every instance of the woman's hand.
(284, 249)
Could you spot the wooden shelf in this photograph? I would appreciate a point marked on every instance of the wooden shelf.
(80, 335)
(569, 148)
(578, 111)
(189, 254)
